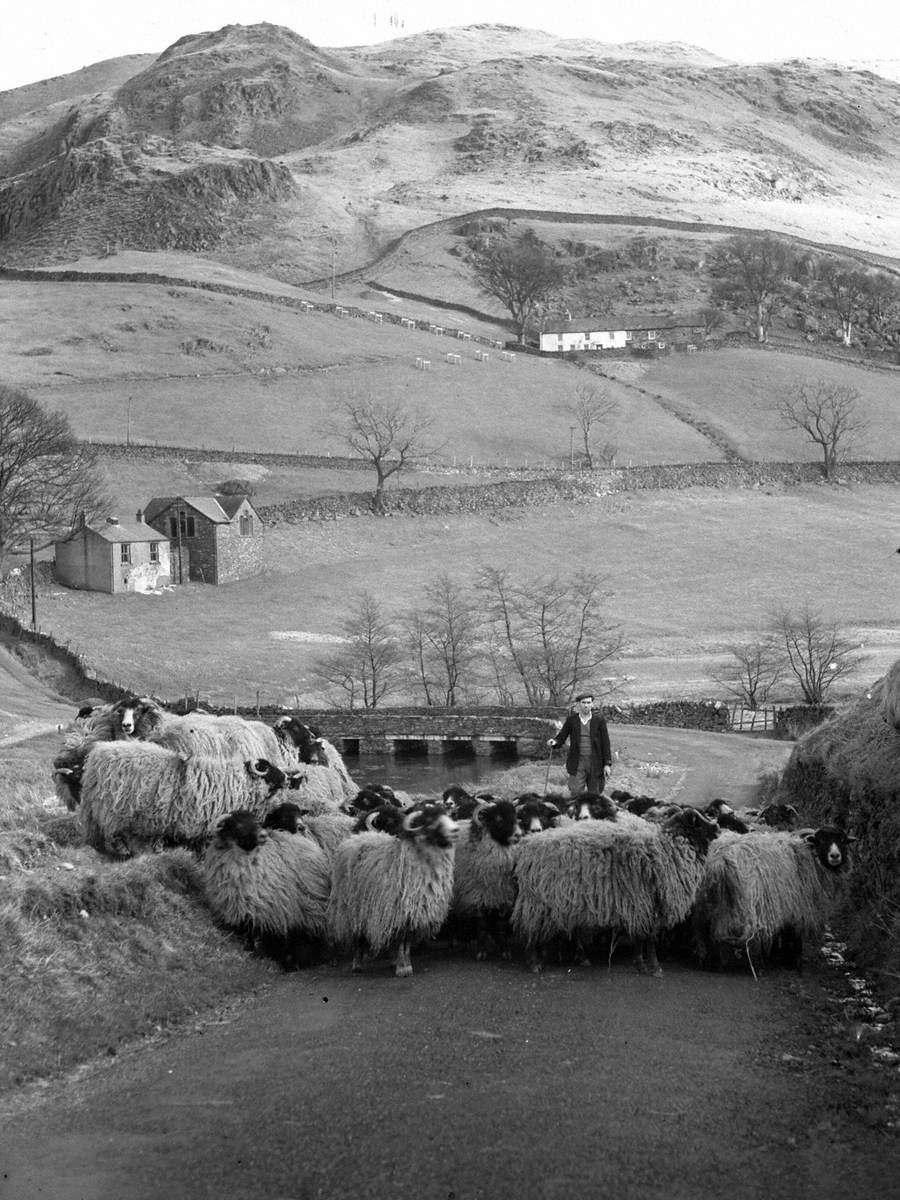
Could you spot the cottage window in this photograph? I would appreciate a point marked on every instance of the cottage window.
(125, 551)
(246, 526)
(651, 335)
(154, 552)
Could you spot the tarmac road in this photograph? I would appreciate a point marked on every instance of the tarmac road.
(471, 1082)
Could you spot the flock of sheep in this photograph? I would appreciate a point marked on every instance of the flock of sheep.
(305, 864)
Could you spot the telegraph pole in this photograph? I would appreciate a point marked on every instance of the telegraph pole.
(31, 574)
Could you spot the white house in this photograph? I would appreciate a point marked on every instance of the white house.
(598, 333)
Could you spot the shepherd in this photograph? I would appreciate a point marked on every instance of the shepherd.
(589, 761)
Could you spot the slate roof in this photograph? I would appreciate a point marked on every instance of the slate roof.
(218, 509)
(118, 531)
(613, 324)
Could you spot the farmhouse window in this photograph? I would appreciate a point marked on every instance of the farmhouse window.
(154, 552)
(125, 551)
(651, 335)
(628, 335)
(187, 526)
(246, 526)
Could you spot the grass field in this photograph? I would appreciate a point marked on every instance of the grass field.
(179, 366)
(688, 572)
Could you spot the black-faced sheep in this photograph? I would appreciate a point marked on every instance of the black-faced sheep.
(484, 888)
(778, 816)
(723, 814)
(369, 797)
(536, 813)
(270, 884)
(327, 830)
(625, 877)
(388, 892)
(763, 890)
(101, 722)
(303, 740)
(137, 794)
(459, 803)
(592, 806)
(387, 818)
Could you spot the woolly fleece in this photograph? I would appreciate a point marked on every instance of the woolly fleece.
(632, 879)
(280, 887)
(756, 884)
(141, 792)
(386, 888)
(483, 873)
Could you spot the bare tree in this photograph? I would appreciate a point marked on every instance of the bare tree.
(552, 629)
(827, 413)
(816, 652)
(755, 266)
(366, 667)
(388, 435)
(755, 668)
(591, 407)
(522, 273)
(47, 477)
(443, 640)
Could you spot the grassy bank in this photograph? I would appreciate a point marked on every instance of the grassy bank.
(94, 954)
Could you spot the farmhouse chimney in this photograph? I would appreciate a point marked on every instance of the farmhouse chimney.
(140, 516)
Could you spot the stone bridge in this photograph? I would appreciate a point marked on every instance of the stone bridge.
(434, 733)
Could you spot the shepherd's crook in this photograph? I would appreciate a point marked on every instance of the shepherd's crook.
(547, 777)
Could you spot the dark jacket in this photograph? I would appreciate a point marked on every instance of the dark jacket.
(600, 748)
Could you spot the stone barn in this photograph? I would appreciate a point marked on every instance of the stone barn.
(213, 539)
(112, 556)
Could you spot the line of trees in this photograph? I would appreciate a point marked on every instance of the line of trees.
(797, 646)
(757, 271)
(502, 637)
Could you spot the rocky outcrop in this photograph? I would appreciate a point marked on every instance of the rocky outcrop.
(138, 192)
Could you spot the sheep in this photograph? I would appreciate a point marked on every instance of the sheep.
(483, 881)
(137, 793)
(591, 806)
(535, 813)
(320, 790)
(228, 736)
(778, 816)
(268, 884)
(299, 739)
(723, 814)
(93, 723)
(369, 797)
(387, 818)
(327, 830)
(762, 889)
(459, 802)
(389, 891)
(633, 878)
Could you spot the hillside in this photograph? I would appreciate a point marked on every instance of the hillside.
(250, 144)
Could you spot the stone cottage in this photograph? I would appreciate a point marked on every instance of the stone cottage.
(213, 539)
(113, 556)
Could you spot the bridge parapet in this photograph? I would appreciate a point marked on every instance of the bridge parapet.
(382, 732)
